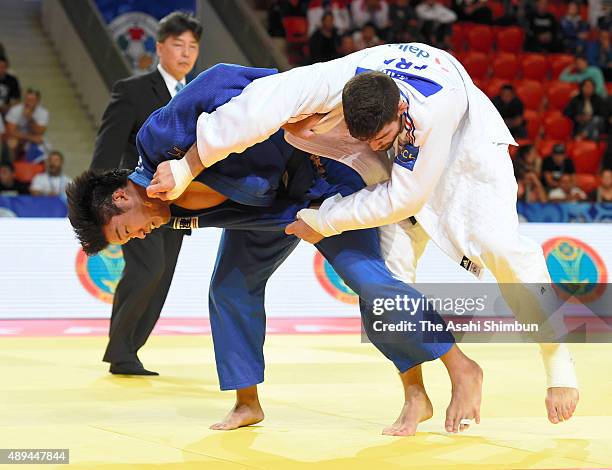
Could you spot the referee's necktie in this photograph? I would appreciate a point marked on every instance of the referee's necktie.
(179, 86)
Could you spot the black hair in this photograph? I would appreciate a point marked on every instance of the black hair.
(507, 86)
(33, 91)
(91, 206)
(176, 23)
(58, 153)
(8, 165)
(369, 102)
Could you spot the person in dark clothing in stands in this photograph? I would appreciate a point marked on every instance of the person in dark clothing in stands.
(588, 112)
(9, 186)
(511, 109)
(542, 30)
(324, 41)
(150, 262)
(555, 166)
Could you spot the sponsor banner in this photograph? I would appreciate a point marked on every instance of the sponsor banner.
(133, 25)
(565, 212)
(45, 274)
(32, 206)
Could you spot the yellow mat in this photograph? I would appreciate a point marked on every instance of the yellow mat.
(326, 400)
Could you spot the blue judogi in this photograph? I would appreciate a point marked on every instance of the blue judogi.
(253, 244)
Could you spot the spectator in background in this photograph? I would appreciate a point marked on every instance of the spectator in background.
(574, 30)
(566, 191)
(581, 71)
(542, 29)
(366, 37)
(437, 22)
(338, 9)
(53, 181)
(530, 188)
(405, 24)
(293, 7)
(370, 11)
(9, 186)
(347, 45)
(26, 124)
(474, 11)
(599, 54)
(325, 40)
(401, 16)
(275, 19)
(603, 192)
(555, 166)
(587, 111)
(3, 149)
(528, 160)
(10, 92)
(511, 109)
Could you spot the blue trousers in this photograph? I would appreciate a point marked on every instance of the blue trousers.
(254, 245)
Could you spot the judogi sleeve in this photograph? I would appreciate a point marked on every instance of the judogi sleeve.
(412, 179)
(270, 102)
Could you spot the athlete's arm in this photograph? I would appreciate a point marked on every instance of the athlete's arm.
(405, 193)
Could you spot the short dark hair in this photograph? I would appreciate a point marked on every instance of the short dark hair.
(58, 153)
(369, 101)
(508, 87)
(91, 206)
(33, 91)
(176, 23)
(9, 165)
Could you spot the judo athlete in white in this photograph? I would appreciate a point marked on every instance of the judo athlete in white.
(451, 178)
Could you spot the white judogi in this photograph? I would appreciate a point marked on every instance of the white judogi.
(459, 185)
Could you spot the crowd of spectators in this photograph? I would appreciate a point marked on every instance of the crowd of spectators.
(580, 28)
(28, 165)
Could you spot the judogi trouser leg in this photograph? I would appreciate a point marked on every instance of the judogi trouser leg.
(357, 258)
(245, 261)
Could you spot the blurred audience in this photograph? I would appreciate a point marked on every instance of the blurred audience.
(530, 188)
(574, 30)
(555, 166)
(474, 11)
(401, 17)
(370, 11)
(542, 29)
(347, 45)
(603, 192)
(53, 181)
(26, 124)
(511, 109)
(599, 54)
(581, 71)
(437, 22)
(9, 186)
(528, 159)
(366, 37)
(339, 10)
(566, 191)
(325, 40)
(587, 111)
(10, 92)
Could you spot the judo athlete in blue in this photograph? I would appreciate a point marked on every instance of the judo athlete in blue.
(253, 197)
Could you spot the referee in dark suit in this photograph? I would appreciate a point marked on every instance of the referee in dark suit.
(149, 262)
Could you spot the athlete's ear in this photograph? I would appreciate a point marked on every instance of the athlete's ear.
(401, 107)
(120, 197)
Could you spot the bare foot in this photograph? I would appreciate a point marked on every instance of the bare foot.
(561, 403)
(466, 396)
(241, 414)
(417, 408)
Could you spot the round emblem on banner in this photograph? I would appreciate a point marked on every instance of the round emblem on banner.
(331, 282)
(135, 33)
(100, 274)
(576, 268)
